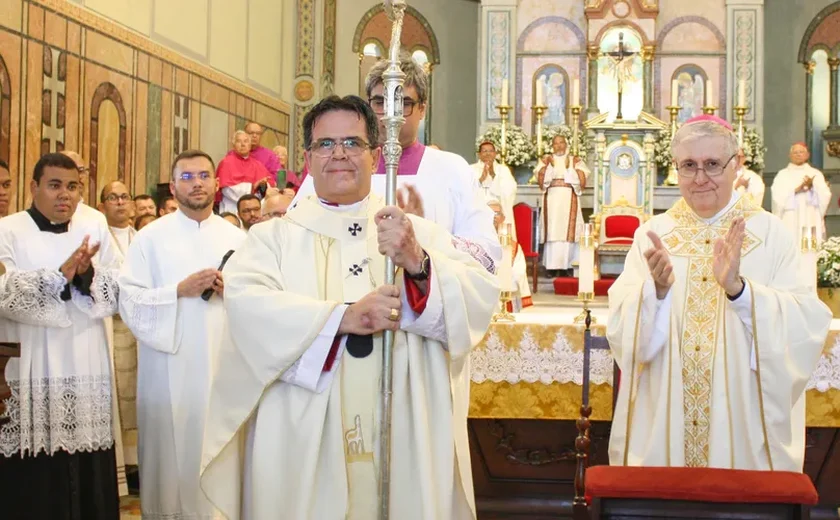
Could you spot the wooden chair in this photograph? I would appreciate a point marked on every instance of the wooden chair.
(623, 492)
(523, 217)
(614, 228)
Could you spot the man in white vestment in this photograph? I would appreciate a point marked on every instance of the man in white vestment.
(5, 188)
(713, 325)
(519, 268)
(444, 183)
(84, 175)
(750, 183)
(171, 299)
(563, 177)
(57, 457)
(801, 196)
(496, 181)
(293, 420)
(114, 202)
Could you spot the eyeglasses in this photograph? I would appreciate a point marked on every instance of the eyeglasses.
(113, 197)
(352, 146)
(190, 176)
(712, 167)
(377, 103)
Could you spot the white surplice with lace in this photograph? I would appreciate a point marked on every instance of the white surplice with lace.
(61, 384)
(177, 339)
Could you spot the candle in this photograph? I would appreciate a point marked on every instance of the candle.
(504, 92)
(586, 262)
(742, 93)
(539, 93)
(710, 94)
(576, 92)
(505, 272)
(675, 90)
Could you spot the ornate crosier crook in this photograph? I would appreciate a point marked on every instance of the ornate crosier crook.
(393, 80)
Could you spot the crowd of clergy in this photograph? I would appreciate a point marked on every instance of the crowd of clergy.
(227, 340)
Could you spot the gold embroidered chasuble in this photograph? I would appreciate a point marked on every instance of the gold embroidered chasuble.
(719, 391)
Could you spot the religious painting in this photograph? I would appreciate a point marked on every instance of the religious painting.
(691, 93)
(620, 73)
(555, 88)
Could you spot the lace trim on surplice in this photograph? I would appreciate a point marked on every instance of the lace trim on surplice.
(72, 414)
(34, 298)
(104, 295)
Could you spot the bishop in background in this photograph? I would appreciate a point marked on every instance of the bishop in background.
(293, 420)
(713, 325)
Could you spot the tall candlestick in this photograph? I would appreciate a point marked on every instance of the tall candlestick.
(539, 93)
(576, 92)
(504, 92)
(505, 274)
(742, 93)
(675, 91)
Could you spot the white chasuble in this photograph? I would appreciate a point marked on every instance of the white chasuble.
(275, 444)
(562, 219)
(755, 185)
(720, 390)
(500, 187)
(801, 212)
(178, 339)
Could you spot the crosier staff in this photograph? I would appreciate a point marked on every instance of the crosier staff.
(393, 80)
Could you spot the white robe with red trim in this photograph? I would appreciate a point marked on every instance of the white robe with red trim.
(282, 434)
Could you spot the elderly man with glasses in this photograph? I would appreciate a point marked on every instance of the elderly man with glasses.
(434, 184)
(714, 329)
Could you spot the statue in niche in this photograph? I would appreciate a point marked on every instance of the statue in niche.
(555, 92)
(691, 81)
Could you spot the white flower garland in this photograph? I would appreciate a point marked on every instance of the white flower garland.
(519, 148)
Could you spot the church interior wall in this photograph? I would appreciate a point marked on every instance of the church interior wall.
(529, 11)
(454, 80)
(126, 103)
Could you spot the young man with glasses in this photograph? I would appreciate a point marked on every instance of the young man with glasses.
(445, 189)
(714, 330)
(171, 298)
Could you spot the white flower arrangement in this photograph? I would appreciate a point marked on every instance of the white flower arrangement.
(552, 131)
(519, 149)
(828, 264)
(753, 150)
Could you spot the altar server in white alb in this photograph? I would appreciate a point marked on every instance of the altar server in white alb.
(519, 268)
(293, 418)
(496, 181)
(57, 456)
(801, 196)
(563, 177)
(443, 182)
(713, 325)
(170, 264)
(750, 183)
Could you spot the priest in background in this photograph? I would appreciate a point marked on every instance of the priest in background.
(750, 183)
(262, 154)
(442, 184)
(240, 173)
(170, 265)
(563, 177)
(57, 456)
(801, 196)
(84, 177)
(496, 181)
(519, 270)
(292, 421)
(114, 203)
(713, 325)
(5, 188)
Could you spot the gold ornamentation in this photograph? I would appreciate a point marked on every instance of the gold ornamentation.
(648, 52)
(694, 239)
(304, 90)
(833, 63)
(810, 67)
(833, 148)
(593, 52)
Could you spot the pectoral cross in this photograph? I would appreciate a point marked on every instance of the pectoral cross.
(621, 66)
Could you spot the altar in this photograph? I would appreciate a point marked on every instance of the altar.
(525, 397)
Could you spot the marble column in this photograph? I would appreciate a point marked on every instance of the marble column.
(648, 53)
(745, 57)
(592, 53)
(497, 60)
(833, 65)
(809, 110)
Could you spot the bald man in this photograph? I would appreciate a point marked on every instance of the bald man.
(114, 203)
(275, 205)
(84, 177)
(801, 196)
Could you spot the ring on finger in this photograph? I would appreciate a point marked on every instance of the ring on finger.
(395, 315)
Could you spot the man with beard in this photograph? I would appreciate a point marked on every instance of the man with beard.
(170, 264)
(144, 205)
(249, 210)
(5, 188)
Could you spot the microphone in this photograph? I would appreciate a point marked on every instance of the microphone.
(209, 292)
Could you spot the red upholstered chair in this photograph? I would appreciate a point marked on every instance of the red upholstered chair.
(523, 217)
(613, 492)
(615, 226)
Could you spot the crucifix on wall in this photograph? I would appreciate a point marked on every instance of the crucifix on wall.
(622, 66)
